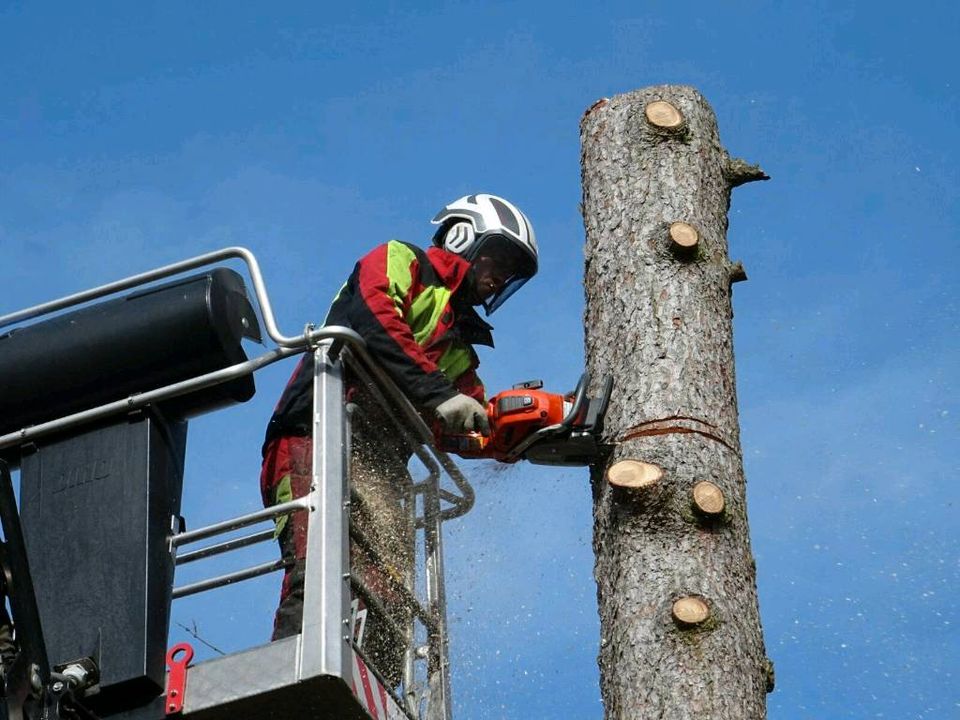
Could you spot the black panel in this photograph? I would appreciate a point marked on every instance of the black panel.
(511, 403)
(97, 511)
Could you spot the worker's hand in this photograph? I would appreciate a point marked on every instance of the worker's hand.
(462, 413)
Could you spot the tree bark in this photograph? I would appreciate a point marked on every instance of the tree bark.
(676, 588)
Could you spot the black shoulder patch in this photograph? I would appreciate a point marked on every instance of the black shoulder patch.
(428, 275)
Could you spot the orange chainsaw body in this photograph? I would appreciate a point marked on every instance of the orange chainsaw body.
(514, 415)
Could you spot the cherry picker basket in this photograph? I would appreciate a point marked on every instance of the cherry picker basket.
(136, 409)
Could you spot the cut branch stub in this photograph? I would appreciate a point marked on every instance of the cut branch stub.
(684, 239)
(737, 172)
(664, 116)
(770, 675)
(737, 273)
(633, 474)
(708, 499)
(690, 611)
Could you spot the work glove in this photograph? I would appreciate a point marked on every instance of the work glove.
(462, 413)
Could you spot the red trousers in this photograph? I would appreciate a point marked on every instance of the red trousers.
(285, 475)
(381, 510)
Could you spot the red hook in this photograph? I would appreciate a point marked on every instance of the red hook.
(177, 678)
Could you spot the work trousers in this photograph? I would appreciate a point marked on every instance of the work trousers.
(380, 511)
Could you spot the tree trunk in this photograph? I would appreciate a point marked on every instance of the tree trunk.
(675, 574)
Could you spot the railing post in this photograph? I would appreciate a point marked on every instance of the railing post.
(325, 647)
(438, 668)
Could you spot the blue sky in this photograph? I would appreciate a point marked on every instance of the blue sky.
(136, 134)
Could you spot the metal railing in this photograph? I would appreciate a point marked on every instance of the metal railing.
(326, 643)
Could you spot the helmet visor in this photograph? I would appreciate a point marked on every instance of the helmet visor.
(500, 297)
(502, 267)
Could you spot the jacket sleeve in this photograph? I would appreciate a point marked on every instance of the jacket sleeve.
(379, 292)
(470, 384)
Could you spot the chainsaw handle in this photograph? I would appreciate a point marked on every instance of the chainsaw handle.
(579, 395)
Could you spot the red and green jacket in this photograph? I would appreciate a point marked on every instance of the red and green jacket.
(402, 301)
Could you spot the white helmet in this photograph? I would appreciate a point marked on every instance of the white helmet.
(488, 225)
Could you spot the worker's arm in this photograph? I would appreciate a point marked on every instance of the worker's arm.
(375, 301)
(469, 383)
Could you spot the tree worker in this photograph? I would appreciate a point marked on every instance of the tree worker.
(415, 310)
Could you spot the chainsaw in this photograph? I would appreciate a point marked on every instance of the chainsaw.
(528, 423)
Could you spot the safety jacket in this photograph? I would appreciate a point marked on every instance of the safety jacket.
(401, 300)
